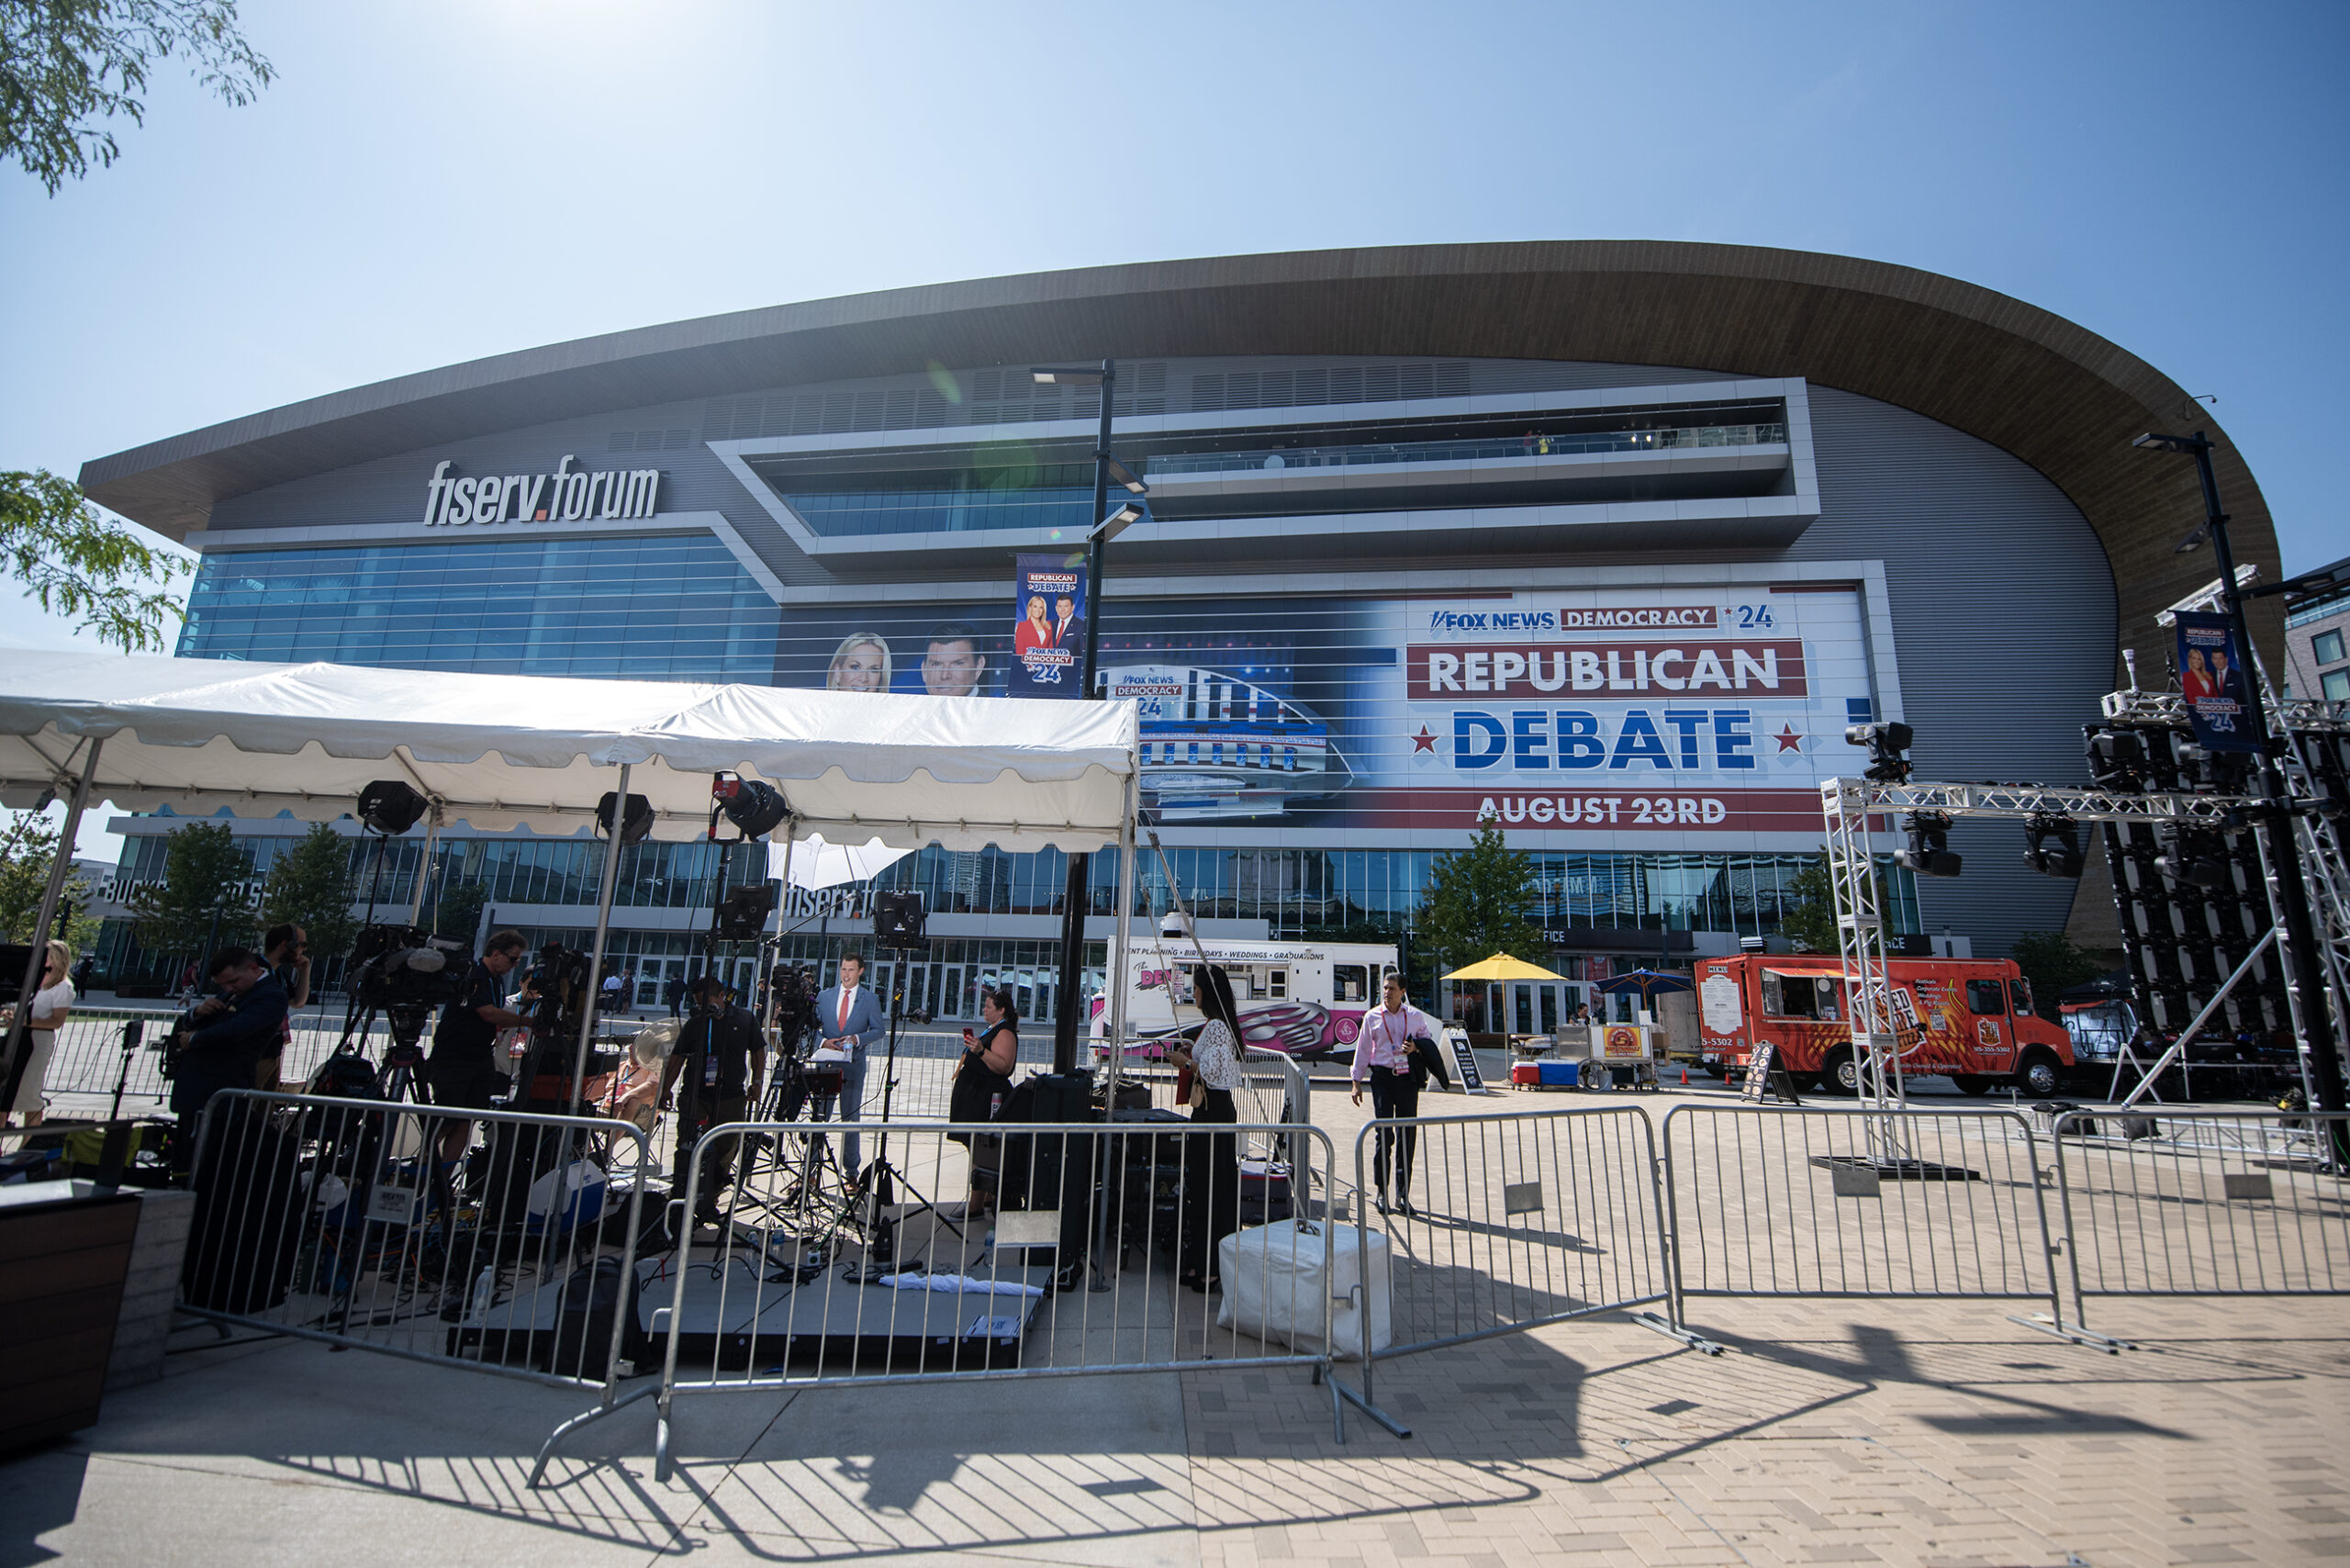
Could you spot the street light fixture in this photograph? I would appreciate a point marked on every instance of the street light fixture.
(2307, 976)
(1106, 468)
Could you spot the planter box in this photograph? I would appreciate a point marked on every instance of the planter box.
(64, 1251)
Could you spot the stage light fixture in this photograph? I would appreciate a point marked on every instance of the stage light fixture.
(755, 809)
(2117, 759)
(743, 914)
(1929, 853)
(391, 807)
(636, 819)
(898, 919)
(1886, 744)
(2051, 845)
(2196, 858)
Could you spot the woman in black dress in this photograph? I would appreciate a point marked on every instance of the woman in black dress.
(1211, 1160)
(982, 1084)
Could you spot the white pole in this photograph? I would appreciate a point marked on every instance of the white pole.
(603, 924)
(1121, 954)
(60, 865)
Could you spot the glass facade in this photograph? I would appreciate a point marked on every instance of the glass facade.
(672, 607)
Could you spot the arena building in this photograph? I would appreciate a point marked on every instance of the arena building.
(1610, 540)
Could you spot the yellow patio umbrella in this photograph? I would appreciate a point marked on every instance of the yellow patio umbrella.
(1502, 966)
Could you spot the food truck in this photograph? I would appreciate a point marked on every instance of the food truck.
(1967, 1019)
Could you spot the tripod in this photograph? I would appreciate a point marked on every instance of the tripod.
(877, 1183)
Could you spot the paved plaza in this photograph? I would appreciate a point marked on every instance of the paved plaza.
(1838, 1432)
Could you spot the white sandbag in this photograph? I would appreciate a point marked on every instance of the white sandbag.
(1273, 1285)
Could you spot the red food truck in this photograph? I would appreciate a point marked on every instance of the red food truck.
(1967, 1019)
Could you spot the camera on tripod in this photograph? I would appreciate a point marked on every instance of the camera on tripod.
(396, 966)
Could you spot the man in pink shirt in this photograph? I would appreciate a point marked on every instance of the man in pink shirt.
(1395, 1053)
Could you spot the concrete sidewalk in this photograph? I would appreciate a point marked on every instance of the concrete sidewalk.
(1834, 1431)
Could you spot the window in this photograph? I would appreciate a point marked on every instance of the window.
(1986, 996)
(2326, 647)
(1349, 982)
(2336, 684)
(2019, 990)
(1279, 992)
(1799, 996)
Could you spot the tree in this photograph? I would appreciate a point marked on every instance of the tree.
(458, 911)
(311, 886)
(27, 852)
(2051, 965)
(1475, 903)
(203, 876)
(1808, 917)
(77, 563)
(69, 66)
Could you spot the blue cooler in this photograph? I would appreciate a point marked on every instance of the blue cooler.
(1560, 1074)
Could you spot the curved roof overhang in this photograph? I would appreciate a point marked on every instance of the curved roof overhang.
(2053, 394)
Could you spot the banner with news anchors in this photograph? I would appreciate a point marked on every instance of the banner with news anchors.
(1609, 711)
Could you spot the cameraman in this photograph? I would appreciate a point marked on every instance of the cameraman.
(722, 1055)
(463, 1069)
(231, 1034)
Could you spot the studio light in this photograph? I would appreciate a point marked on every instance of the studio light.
(1929, 853)
(390, 807)
(637, 817)
(2051, 845)
(743, 914)
(1886, 744)
(755, 809)
(2117, 759)
(898, 920)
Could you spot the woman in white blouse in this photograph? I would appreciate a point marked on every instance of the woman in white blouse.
(50, 1005)
(1214, 1056)
(1211, 1204)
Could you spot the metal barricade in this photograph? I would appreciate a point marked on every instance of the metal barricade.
(1824, 1202)
(992, 1250)
(2195, 1202)
(494, 1240)
(1500, 1223)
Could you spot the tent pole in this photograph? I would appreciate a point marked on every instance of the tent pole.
(1121, 964)
(60, 865)
(424, 865)
(782, 910)
(603, 925)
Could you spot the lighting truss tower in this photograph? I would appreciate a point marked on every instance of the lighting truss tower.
(1849, 803)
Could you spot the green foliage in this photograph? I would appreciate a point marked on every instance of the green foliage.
(68, 66)
(1475, 905)
(2051, 964)
(311, 885)
(458, 911)
(204, 872)
(1808, 918)
(27, 848)
(77, 563)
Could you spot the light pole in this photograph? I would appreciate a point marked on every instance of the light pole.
(1106, 525)
(2306, 972)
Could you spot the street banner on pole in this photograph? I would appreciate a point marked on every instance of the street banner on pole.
(2212, 676)
(1048, 627)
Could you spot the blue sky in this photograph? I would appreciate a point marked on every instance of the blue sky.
(433, 180)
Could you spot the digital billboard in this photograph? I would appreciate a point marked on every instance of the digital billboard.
(1614, 710)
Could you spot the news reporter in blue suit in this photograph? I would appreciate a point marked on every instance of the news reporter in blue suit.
(850, 1018)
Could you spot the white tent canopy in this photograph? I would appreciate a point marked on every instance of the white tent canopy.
(500, 752)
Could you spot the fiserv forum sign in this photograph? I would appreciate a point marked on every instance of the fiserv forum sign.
(562, 496)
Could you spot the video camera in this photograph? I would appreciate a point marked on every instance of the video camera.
(794, 987)
(405, 973)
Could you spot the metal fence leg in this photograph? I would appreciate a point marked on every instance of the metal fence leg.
(1670, 1323)
(546, 1450)
(2051, 1322)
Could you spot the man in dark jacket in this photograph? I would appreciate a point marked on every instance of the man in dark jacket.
(223, 1052)
(720, 1056)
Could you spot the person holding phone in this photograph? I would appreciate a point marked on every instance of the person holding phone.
(982, 1084)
